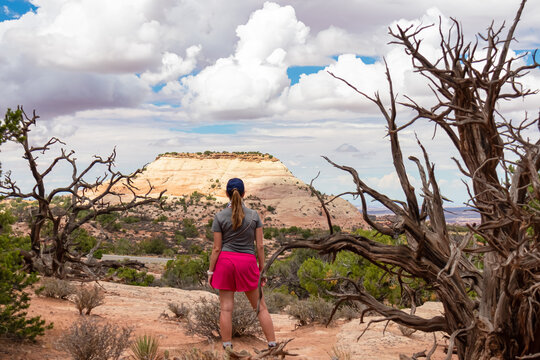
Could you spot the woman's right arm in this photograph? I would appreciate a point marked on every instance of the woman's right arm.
(216, 249)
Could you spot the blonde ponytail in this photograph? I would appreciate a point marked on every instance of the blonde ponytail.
(237, 211)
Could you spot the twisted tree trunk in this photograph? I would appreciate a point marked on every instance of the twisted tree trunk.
(492, 311)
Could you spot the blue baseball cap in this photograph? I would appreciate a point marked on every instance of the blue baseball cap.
(237, 184)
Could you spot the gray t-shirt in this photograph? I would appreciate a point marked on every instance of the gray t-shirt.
(241, 240)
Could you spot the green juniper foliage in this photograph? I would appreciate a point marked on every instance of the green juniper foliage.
(14, 322)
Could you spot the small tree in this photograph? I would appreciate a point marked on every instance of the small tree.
(52, 252)
(491, 311)
(14, 322)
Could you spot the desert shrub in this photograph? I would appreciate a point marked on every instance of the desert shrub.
(56, 288)
(160, 218)
(277, 300)
(204, 319)
(179, 238)
(284, 272)
(186, 271)
(349, 312)
(195, 197)
(180, 311)
(123, 246)
(195, 249)
(197, 354)
(131, 219)
(14, 322)
(154, 246)
(83, 242)
(209, 234)
(189, 229)
(169, 253)
(88, 298)
(312, 310)
(131, 276)
(312, 274)
(146, 347)
(88, 339)
(109, 221)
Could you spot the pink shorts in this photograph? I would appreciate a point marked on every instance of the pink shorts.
(236, 272)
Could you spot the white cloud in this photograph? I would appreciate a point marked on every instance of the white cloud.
(79, 58)
(244, 84)
(173, 66)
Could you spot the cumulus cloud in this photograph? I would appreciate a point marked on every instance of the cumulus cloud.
(243, 84)
(173, 66)
(93, 62)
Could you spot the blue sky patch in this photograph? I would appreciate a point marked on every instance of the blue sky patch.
(222, 129)
(165, 103)
(368, 60)
(157, 88)
(528, 57)
(14, 9)
(294, 72)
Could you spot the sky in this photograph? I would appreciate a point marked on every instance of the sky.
(154, 76)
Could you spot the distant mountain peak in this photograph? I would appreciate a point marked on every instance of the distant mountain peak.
(346, 148)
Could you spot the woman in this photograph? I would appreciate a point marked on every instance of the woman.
(233, 266)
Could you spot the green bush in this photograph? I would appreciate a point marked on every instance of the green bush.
(131, 276)
(186, 271)
(208, 230)
(312, 275)
(277, 300)
(14, 322)
(284, 272)
(189, 230)
(161, 218)
(123, 246)
(179, 237)
(155, 246)
(131, 219)
(273, 232)
(108, 221)
(84, 242)
(312, 310)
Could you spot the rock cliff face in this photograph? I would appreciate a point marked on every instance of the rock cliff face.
(266, 179)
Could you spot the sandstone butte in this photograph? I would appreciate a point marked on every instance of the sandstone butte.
(266, 179)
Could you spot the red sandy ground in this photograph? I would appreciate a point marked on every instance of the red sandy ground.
(141, 307)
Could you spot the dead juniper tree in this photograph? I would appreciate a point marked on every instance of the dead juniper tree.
(491, 311)
(52, 250)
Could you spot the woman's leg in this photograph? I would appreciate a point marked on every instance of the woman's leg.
(226, 302)
(264, 315)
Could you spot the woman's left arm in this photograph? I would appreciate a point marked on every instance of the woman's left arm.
(216, 249)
